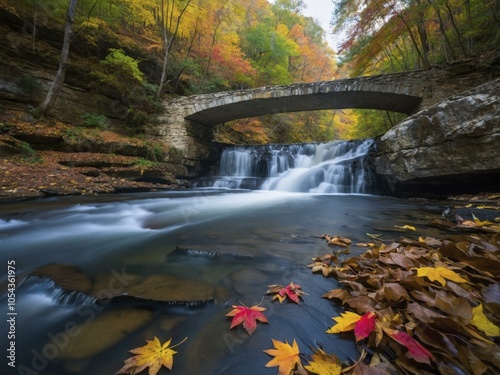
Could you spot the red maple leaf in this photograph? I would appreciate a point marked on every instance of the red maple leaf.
(415, 349)
(248, 316)
(365, 326)
(292, 291)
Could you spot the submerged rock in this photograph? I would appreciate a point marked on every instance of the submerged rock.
(101, 333)
(168, 288)
(213, 251)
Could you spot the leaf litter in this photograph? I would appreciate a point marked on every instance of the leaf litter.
(435, 302)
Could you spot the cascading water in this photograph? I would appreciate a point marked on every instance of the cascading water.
(334, 167)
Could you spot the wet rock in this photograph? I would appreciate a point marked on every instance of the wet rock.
(454, 144)
(65, 276)
(113, 284)
(99, 334)
(168, 288)
(155, 288)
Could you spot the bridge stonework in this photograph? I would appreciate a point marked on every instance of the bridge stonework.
(187, 121)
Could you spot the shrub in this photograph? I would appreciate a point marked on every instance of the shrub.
(28, 154)
(93, 120)
(122, 66)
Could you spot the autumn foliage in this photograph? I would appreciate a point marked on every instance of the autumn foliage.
(423, 306)
(248, 316)
(422, 298)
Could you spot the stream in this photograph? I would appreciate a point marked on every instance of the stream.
(195, 253)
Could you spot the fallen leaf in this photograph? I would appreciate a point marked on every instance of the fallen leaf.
(365, 326)
(248, 316)
(345, 322)
(481, 322)
(340, 294)
(439, 274)
(480, 223)
(152, 355)
(292, 291)
(409, 227)
(415, 349)
(374, 235)
(285, 356)
(324, 364)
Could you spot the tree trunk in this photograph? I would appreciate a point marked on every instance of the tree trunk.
(168, 42)
(58, 82)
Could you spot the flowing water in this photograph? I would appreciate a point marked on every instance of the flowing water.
(228, 243)
(334, 167)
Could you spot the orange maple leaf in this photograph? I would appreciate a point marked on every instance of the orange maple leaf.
(292, 291)
(285, 356)
(248, 316)
(152, 355)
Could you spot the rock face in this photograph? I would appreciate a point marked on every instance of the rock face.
(451, 147)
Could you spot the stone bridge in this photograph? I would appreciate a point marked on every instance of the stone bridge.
(188, 121)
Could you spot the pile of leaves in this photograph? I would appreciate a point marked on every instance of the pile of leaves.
(425, 307)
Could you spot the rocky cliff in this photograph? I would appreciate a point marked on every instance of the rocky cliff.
(451, 147)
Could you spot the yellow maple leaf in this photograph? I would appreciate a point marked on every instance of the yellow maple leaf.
(324, 364)
(152, 355)
(439, 274)
(346, 322)
(285, 356)
(481, 322)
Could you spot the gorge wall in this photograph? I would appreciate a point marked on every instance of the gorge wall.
(450, 147)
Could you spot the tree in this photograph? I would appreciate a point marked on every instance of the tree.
(170, 30)
(58, 82)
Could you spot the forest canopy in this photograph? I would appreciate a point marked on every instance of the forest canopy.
(182, 47)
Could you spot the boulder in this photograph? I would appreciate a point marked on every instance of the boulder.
(451, 147)
(67, 277)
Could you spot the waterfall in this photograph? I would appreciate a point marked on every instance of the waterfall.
(333, 167)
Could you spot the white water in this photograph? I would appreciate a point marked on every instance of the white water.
(334, 167)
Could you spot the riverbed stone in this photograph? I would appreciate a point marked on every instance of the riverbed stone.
(67, 277)
(158, 288)
(101, 333)
(245, 281)
(169, 288)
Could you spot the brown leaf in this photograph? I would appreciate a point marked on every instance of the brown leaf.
(362, 304)
(392, 292)
(450, 250)
(454, 306)
(423, 313)
(491, 266)
(402, 260)
(340, 294)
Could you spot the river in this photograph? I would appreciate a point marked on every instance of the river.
(228, 244)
